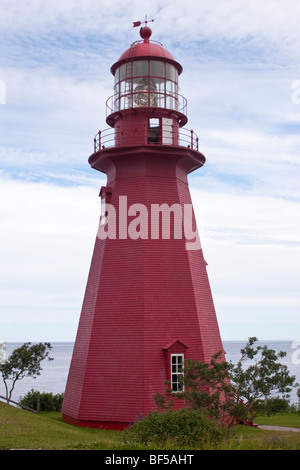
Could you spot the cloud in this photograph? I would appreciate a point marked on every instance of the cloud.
(240, 60)
(257, 22)
(48, 233)
(248, 219)
(269, 26)
(47, 240)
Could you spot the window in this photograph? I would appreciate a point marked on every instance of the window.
(140, 68)
(153, 131)
(157, 68)
(177, 363)
(122, 72)
(171, 73)
(146, 83)
(153, 122)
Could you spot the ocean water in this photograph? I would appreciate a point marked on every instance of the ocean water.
(54, 375)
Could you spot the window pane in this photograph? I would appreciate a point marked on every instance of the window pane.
(128, 102)
(161, 101)
(125, 87)
(153, 99)
(171, 72)
(174, 383)
(129, 69)
(122, 87)
(117, 103)
(153, 122)
(123, 72)
(170, 87)
(140, 68)
(177, 362)
(141, 92)
(157, 68)
(117, 75)
(117, 89)
(158, 83)
(170, 102)
(128, 86)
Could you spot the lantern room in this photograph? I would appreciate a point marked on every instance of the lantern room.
(146, 108)
(146, 76)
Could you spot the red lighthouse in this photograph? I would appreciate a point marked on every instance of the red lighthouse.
(148, 304)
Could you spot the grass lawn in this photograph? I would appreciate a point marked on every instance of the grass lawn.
(291, 420)
(21, 429)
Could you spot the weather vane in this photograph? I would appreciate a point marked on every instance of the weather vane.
(138, 23)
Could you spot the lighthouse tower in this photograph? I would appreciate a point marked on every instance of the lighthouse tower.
(148, 305)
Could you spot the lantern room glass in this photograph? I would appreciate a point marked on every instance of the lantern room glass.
(143, 83)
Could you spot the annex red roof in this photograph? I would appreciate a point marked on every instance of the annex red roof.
(146, 49)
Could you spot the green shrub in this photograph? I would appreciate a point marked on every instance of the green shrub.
(184, 427)
(48, 401)
(272, 406)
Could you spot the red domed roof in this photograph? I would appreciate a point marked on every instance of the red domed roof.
(146, 49)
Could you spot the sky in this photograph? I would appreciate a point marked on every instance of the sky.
(241, 78)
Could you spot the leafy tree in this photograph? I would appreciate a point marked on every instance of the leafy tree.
(265, 374)
(206, 387)
(223, 388)
(24, 361)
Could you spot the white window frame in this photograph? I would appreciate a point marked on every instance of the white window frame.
(175, 373)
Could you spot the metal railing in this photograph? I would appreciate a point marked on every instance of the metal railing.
(108, 138)
(168, 100)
